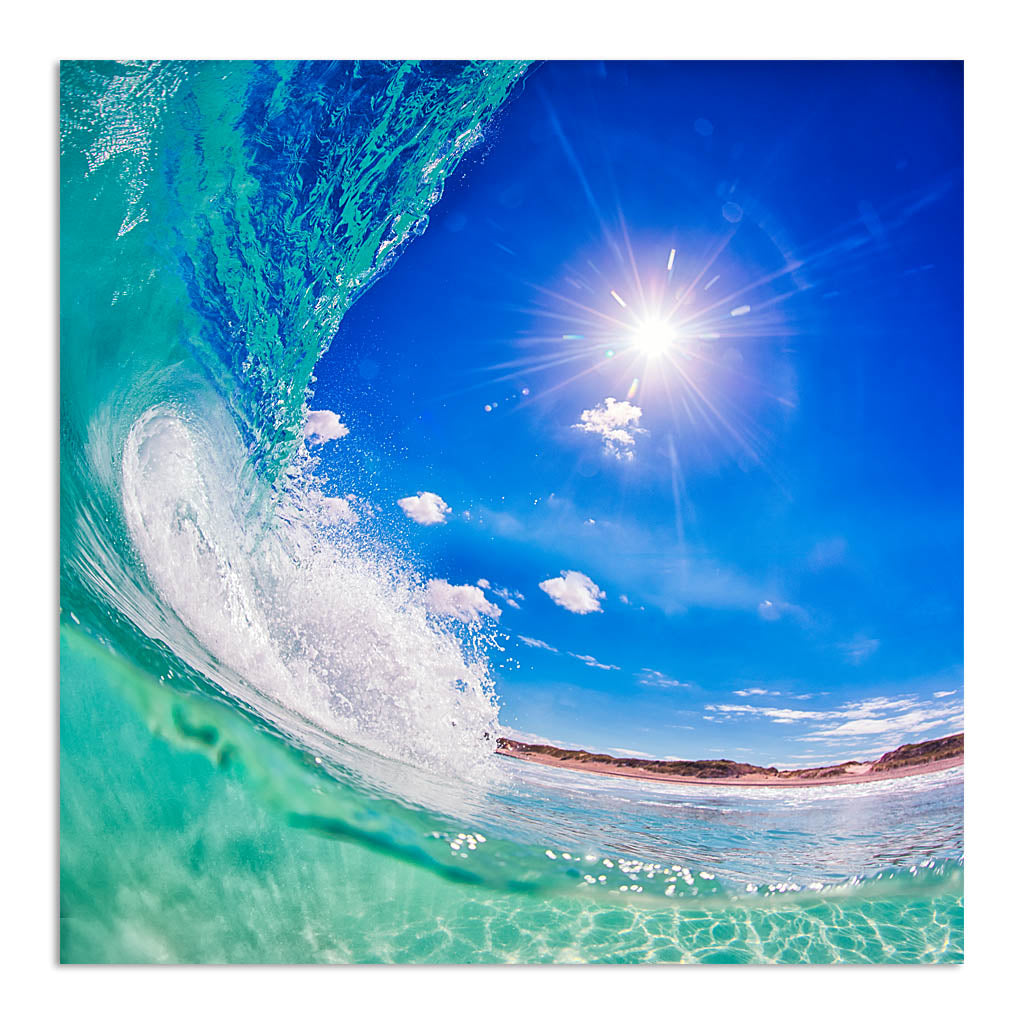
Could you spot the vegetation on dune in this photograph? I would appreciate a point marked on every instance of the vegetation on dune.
(905, 756)
(921, 753)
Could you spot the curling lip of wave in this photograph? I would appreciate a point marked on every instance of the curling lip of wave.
(189, 334)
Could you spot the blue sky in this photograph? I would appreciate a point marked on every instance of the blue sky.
(674, 382)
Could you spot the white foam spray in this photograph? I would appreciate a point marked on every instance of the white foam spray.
(318, 618)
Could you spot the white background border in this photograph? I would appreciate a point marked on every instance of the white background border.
(38, 36)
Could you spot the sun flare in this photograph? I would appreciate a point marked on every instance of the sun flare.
(654, 337)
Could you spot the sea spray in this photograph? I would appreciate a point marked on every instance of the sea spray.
(332, 627)
(217, 220)
(271, 749)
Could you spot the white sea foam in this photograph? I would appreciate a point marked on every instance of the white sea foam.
(325, 623)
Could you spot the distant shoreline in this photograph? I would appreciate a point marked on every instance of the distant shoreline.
(850, 778)
(907, 760)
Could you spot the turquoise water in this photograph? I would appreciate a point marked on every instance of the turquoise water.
(270, 751)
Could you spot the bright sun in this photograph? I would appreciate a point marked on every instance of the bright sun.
(653, 337)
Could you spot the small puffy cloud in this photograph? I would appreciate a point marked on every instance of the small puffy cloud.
(339, 510)
(589, 659)
(532, 642)
(426, 508)
(574, 591)
(323, 425)
(623, 598)
(944, 693)
(652, 677)
(616, 423)
(465, 603)
(626, 752)
(483, 584)
(757, 691)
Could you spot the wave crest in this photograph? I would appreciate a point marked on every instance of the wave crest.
(317, 618)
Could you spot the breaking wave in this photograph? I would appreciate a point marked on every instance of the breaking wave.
(218, 219)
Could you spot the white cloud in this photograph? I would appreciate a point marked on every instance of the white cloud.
(323, 425)
(483, 584)
(589, 659)
(531, 642)
(912, 722)
(623, 599)
(426, 508)
(890, 717)
(616, 423)
(465, 603)
(944, 693)
(756, 691)
(626, 752)
(574, 591)
(652, 677)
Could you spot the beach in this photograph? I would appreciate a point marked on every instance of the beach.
(854, 773)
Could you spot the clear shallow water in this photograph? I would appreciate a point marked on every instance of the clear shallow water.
(245, 777)
(191, 834)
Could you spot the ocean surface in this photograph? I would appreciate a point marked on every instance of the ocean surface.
(270, 750)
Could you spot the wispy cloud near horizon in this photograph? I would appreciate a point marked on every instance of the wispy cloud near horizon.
(888, 718)
(589, 659)
(539, 644)
(658, 680)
